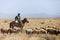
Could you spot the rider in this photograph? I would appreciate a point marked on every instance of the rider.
(17, 18)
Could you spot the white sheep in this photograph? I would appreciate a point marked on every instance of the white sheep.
(29, 31)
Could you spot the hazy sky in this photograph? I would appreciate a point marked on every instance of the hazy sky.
(30, 8)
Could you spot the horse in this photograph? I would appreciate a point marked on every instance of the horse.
(21, 25)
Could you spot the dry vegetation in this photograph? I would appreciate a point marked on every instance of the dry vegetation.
(33, 23)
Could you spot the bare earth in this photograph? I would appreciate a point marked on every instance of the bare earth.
(33, 23)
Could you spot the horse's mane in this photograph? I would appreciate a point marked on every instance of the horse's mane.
(24, 20)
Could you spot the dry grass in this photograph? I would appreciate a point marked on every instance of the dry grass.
(33, 22)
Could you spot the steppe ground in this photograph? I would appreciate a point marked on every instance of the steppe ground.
(33, 23)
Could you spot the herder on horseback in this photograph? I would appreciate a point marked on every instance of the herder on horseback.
(17, 19)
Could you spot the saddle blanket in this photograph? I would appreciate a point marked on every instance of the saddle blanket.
(16, 21)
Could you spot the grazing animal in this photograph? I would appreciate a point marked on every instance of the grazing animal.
(36, 30)
(29, 31)
(13, 31)
(9, 31)
(4, 31)
(43, 31)
(21, 25)
(52, 31)
(58, 31)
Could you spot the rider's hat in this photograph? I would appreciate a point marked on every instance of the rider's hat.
(18, 13)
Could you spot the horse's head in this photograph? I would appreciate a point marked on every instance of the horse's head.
(25, 20)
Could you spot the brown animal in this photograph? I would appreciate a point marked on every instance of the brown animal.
(21, 25)
(13, 31)
(9, 30)
(53, 31)
(36, 31)
(4, 31)
(43, 31)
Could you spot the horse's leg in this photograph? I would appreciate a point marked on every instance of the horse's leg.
(21, 29)
(11, 26)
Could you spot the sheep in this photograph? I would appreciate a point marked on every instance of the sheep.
(29, 31)
(38, 31)
(43, 31)
(4, 31)
(14, 31)
(52, 31)
(58, 30)
(9, 30)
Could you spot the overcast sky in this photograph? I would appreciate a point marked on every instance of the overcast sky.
(30, 8)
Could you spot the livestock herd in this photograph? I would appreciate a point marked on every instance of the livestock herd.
(9, 31)
(41, 30)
